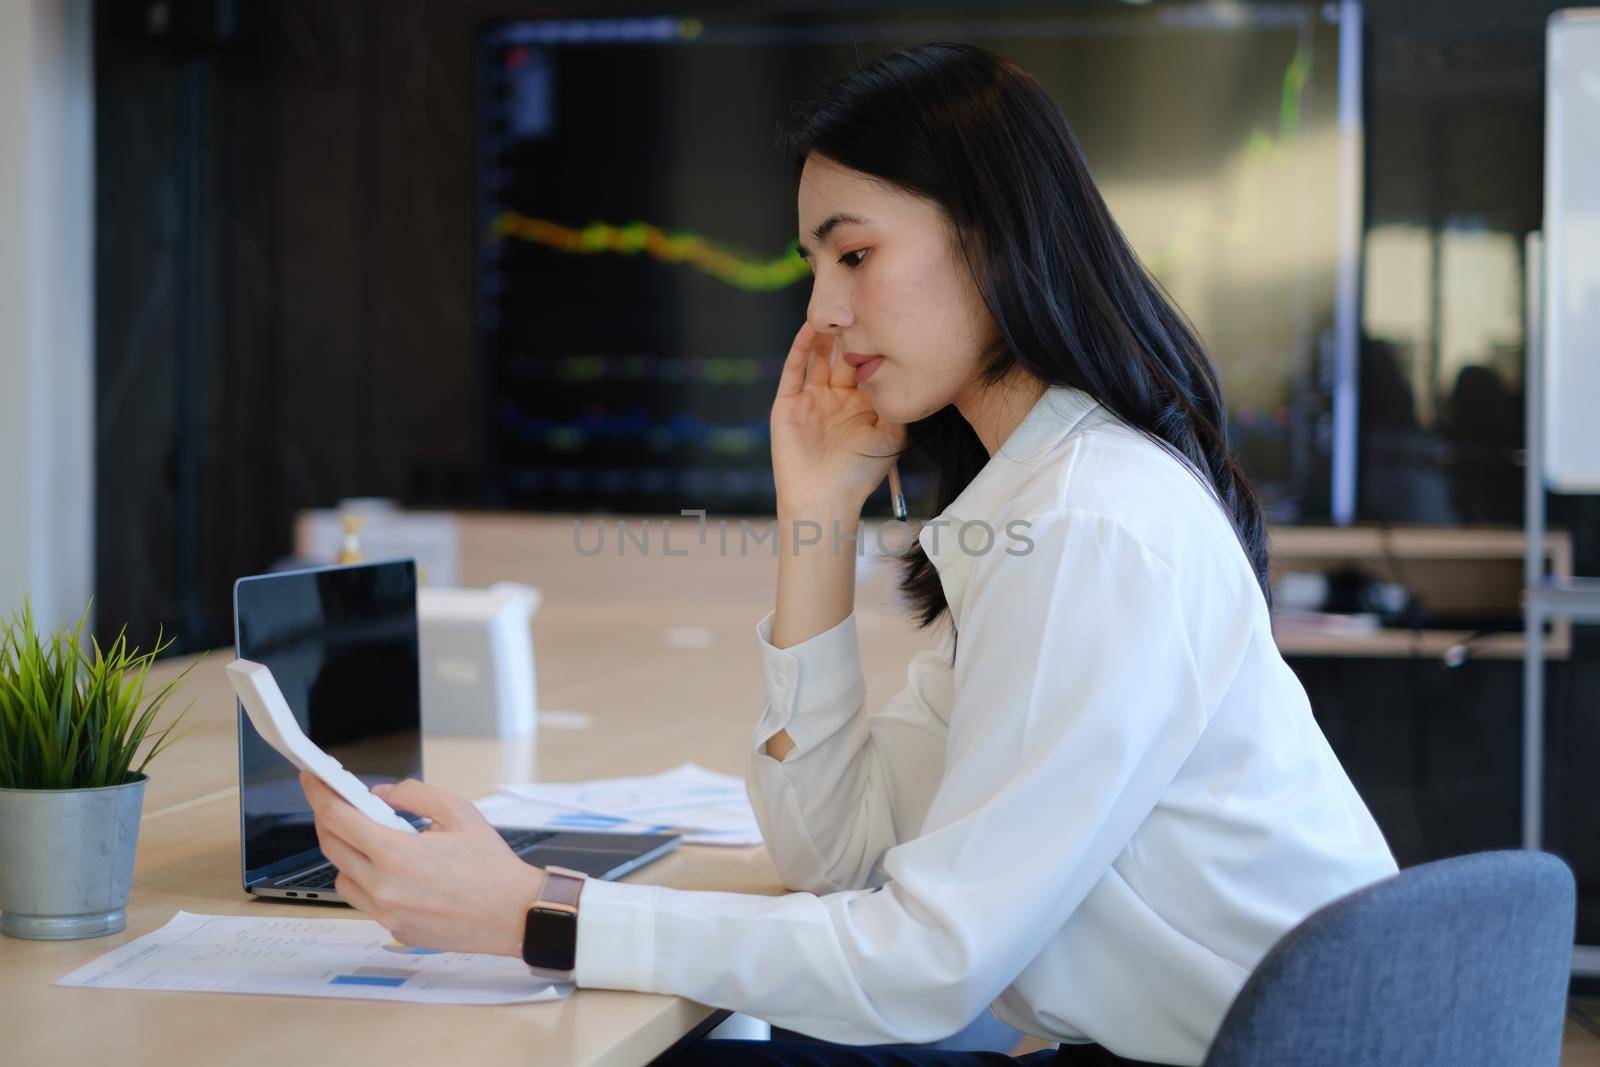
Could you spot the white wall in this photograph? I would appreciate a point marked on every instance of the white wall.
(46, 307)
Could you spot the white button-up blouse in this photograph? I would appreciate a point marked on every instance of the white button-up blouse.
(1094, 818)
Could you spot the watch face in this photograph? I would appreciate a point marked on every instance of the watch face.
(550, 939)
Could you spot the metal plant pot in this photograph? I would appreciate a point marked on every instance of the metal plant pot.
(66, 860)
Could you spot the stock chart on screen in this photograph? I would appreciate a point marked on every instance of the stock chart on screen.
(638, 282)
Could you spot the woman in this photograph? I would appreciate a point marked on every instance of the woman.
(1103, 796)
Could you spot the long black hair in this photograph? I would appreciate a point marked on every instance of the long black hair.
(1072, 305)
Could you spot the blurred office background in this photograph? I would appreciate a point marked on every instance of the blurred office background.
(538, 258)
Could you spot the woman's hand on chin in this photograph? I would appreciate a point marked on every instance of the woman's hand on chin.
(830, 449)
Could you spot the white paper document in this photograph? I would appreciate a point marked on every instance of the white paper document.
(350, 958)
(707, 808)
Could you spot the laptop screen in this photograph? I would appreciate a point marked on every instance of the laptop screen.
(342, 644)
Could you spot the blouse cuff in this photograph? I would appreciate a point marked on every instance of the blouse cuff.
(616, 936)
(813, 687)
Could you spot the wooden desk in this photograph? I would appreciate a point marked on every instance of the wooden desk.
(653, 705)
(1464, 570)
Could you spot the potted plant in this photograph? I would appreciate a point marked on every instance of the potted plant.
(71, 726)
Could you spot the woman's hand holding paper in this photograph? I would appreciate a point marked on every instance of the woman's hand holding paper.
(458, 887)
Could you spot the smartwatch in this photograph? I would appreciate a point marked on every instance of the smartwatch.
(550, 933)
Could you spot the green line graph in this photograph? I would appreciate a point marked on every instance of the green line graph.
(753, 272)
(722, 262)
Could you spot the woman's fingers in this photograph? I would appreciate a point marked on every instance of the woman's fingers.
(793, 377)
(814, 360)
(817, 370)
(344, 856)
(443, 808)
(359, 898)
(339, 817)
(843, 375)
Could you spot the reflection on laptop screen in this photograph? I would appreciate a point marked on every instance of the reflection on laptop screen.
(342, 644)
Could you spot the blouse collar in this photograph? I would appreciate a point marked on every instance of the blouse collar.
(1048, 422)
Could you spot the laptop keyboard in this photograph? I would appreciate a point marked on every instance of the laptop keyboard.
(318, 879)
(323, 877)
(522, 840)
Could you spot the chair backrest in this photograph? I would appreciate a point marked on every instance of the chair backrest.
(1465, 960)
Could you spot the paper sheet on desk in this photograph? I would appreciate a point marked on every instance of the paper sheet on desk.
(707, 808)
(349, 958)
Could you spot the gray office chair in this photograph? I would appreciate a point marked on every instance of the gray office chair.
(1461, 961)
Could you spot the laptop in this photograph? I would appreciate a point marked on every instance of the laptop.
(342, 644)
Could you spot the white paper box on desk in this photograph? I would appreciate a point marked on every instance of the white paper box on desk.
(478, 675)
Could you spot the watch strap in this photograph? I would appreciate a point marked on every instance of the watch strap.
(561, 889)
(551, 931)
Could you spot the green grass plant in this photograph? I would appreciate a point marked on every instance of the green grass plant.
(72, 720)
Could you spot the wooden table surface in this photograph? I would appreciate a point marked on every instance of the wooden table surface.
(616, 652)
